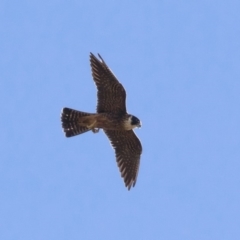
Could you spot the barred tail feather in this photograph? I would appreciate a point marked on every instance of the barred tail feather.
(70, 119)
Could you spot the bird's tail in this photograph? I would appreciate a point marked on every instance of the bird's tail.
(70, 122)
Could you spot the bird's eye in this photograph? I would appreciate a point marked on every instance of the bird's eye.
(135, 121)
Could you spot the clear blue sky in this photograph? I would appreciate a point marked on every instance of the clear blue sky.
(179, 62)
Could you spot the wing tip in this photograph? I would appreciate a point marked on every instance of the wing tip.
(92, 56)
(130, 184)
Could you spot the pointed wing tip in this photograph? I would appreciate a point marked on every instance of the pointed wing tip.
(130, 184)
(100, 57)
(93, 56)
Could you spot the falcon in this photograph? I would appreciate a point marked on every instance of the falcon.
(112, 117)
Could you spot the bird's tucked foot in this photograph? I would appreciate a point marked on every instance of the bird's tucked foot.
(95, 130)
(91, 126)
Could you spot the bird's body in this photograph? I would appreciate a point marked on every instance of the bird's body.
(112, 117)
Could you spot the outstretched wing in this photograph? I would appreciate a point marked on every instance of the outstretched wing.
(111, 94)
(128, 150)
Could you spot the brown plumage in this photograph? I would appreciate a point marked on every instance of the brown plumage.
(112, 117)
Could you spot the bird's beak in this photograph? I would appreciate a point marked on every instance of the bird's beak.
(139, 125)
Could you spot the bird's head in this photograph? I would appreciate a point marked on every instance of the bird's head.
(132, 122)
(135, 121)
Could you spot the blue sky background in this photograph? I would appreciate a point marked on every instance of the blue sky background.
(179, 62)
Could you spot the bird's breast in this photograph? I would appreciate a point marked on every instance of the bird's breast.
(110, 121)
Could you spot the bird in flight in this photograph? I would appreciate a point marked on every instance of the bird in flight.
(112, 117)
